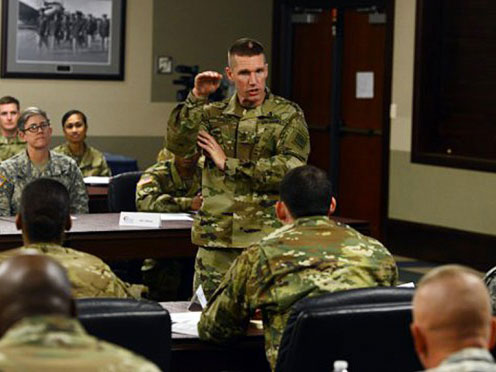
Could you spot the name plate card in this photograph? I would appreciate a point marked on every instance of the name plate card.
(139, 219)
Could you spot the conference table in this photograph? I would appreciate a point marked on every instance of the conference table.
(101, 235)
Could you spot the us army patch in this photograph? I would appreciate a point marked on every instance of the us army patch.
(2, 180)
(144, 180)
(300, 140)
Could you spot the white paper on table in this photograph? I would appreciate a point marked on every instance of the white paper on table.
(186, 323)
(94, 180)
(407, 285)
(176, 217)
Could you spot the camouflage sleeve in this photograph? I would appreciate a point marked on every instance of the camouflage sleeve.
(293, 148)
(183, 125)
(105, 169)
(150, 197)
(77, 191)
(228, 312)
(94, 278)
(490, 281)
(6, 191)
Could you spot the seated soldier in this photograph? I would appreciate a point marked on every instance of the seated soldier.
(90, 161)
(168, 187)
(43, 217)
(452, 327)
(309, 256)
(38, 161)
(38, 325)
(10, 143)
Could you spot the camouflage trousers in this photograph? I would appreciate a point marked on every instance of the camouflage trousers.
(210, 266)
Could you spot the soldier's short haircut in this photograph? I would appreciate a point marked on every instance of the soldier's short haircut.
(26, 114)
(44, 210)
(5, 100)
(73, 112)
(306, 191)
(245, 47)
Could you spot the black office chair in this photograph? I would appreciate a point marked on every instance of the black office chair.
(143, 327)
(367, 327)
(122, 192)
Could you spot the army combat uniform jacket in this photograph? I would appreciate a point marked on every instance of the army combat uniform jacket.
(161, 189)
(92, 163)
(18, 171)
(261, 145)
(57, 343)
(310, 257)
(10, 146)
(89, 275)
(470, 359)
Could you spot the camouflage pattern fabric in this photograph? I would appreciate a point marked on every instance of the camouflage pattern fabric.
(261, 145)
(164, 155)
(313, 256)
(211, 265)
(92, 163)
(89, 275)
(18, 171)
(470, 359)
(161, 189)
(10, 146)
(57, 343)
(490, 281)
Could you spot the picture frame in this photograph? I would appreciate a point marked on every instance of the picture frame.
(63, 39)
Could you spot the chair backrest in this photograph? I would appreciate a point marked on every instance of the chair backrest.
(122, 192)
(143, 327)
(367, 327)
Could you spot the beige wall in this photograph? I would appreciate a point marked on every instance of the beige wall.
(195, 32)
(448, 197)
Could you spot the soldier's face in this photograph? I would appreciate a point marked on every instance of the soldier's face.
(9, 114)
(75, 129)
(40, 138)
(249, 75)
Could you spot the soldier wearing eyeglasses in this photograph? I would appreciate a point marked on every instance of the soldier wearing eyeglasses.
(38, 161)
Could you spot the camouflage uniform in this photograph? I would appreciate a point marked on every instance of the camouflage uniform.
(10, 146)
(89, 275)
(313, 256)
(261, 145)
(164, 155)
(18, 171)
(58, 343)
(470, 359)
(91, 163)
(161, 189)
(490, 281)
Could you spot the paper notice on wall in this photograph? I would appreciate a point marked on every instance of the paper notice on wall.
(365, 84)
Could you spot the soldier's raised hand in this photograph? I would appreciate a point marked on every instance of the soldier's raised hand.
(206, 83)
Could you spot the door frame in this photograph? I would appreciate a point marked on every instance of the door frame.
(281, 81)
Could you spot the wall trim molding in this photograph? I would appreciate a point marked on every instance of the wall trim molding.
(441, 244)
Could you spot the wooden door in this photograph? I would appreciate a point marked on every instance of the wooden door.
(350, 146)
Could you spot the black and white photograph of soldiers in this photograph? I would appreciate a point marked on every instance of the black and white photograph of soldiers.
(68, 31)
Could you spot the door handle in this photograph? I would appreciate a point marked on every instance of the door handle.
(360, 131)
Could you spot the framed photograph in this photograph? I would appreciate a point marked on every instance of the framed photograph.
(63, 39)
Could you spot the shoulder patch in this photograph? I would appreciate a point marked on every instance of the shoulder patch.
(3, 179)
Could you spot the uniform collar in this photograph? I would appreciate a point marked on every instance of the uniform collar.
(312, 220)
(234, 108)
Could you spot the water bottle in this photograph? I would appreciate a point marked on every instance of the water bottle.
(340, 366)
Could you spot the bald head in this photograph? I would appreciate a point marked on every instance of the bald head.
(451, 311)
(32, 285)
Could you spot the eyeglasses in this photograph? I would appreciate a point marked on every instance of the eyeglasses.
(36, 127)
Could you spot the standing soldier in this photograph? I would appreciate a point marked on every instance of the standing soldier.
(250, 141)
